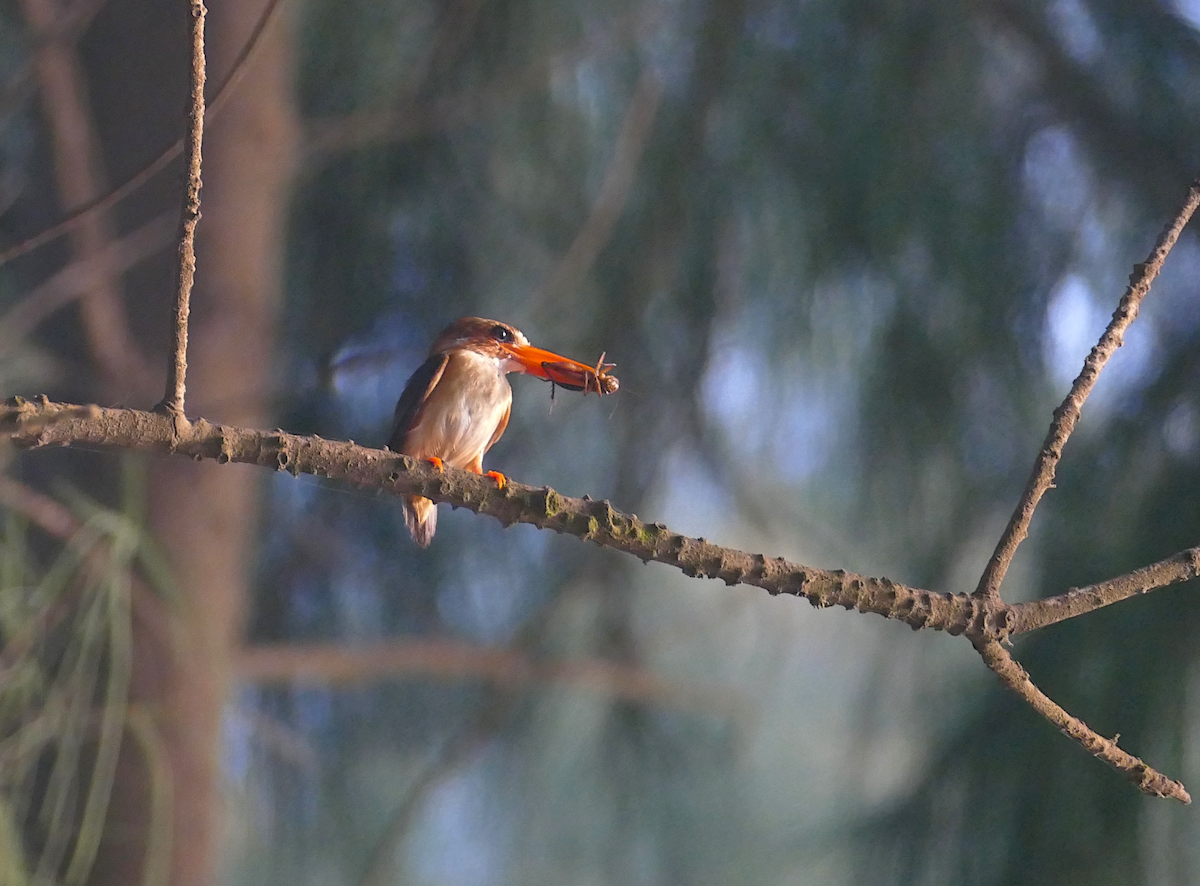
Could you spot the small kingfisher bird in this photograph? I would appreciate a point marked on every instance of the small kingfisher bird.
(456, 405)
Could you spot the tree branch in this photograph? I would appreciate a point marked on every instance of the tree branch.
(79, 176)
(442, 658)
(985, 621)
(1015, 677)
(172, 402)
(33, 425)
(73, 281)
(155, 166)
(1079, 601)
(1067, 415)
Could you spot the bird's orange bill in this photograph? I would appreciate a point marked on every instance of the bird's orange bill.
(563, 371)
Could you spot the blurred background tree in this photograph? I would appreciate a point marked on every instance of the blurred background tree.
(847, 257)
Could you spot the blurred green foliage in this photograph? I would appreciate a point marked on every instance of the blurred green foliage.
(862, 241)
(864, 248)
(65, 671)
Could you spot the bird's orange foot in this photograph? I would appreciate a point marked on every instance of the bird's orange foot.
(500, 479)
(437, 463)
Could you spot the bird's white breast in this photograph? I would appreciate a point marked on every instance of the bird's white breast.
(463, 411)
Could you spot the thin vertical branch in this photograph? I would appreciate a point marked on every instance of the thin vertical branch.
(177, 369)
(1067, 415)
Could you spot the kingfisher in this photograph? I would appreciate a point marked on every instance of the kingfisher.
(456, 405)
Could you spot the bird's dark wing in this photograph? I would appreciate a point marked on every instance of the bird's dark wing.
(416, 394)
(499, 429)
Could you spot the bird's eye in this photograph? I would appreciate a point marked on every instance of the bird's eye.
(501, 333)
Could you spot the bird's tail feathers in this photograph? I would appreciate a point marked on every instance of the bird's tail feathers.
(420, 515)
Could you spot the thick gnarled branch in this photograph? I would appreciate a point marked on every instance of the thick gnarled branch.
(32, 425)
(41, 423)
(985, 621)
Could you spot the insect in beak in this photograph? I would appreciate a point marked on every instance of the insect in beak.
(564, 372)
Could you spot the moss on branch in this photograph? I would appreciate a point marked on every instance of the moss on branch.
(32, 424)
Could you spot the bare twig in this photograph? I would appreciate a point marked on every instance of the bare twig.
(1067, 415)
(610, 201)
(78, 172)
(1079, 601)
(1148, 780)
(157, 165)
(75, 279)
(190, 214)
(451, 659)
